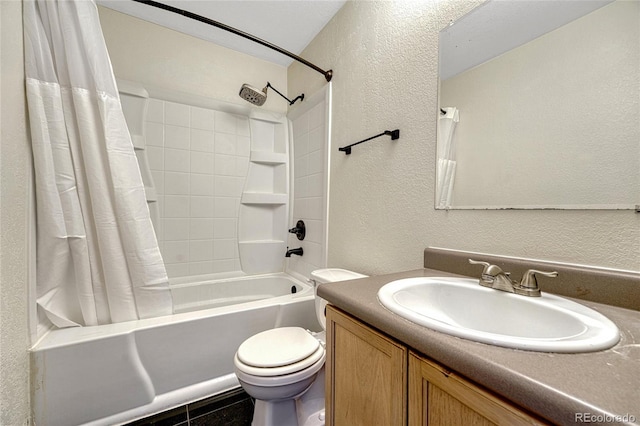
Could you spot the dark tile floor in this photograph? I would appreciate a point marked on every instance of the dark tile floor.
(233, 408)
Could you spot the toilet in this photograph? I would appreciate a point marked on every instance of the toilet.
(283, 368)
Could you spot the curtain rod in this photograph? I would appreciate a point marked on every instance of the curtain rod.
(327, 74)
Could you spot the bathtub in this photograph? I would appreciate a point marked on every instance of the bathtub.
(117, 373)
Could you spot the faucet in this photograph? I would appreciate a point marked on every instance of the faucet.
(494, 277)
(297, 251)
(299, 230)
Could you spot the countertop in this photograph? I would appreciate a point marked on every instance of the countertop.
(601, 386)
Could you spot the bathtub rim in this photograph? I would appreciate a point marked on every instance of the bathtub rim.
(217, 277)
(55, 338)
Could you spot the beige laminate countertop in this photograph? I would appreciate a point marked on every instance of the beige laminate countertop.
(603, 385)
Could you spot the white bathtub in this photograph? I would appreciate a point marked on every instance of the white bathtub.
(205, 293)
(117, 373)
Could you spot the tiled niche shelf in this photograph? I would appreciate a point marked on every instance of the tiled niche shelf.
(268, 157)
(264, 204)
(263, 198)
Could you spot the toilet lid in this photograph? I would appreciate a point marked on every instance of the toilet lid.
(277, 347)
(293, 370)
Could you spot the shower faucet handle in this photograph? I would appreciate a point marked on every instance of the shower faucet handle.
(300, 230)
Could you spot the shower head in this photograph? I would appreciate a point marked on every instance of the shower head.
(259, 97)
(253, 95)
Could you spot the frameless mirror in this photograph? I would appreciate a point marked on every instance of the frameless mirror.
(540, 106)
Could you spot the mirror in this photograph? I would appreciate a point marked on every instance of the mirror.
(539, 107)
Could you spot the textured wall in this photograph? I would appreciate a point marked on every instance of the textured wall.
(385, 59)
(158, 57)
(14, 166)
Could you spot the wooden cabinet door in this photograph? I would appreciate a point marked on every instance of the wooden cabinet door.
(366, 375)
(438, 397)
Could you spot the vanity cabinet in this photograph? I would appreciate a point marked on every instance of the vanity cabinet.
(438, 397)
(366, 375)
(374, 380)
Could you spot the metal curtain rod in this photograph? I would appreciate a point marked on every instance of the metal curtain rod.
(327, 74)
(395, 134)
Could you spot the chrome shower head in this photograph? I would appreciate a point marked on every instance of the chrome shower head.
(252, 95)
(259, 97)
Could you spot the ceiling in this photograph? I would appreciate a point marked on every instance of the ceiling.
(288, 24)
(492, 29)
(499, 26)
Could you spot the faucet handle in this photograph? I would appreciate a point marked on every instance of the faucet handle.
(479, 262)
(300, 230)
(529, 282)
(492, 275)
(489, 269)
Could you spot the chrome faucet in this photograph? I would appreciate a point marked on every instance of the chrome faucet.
(494, 277)
(297, 251)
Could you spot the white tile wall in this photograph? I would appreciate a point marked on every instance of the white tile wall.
(309, 166)
(199, 160)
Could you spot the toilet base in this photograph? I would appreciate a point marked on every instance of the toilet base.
(305, 410)
(310, 406)
(275, 413)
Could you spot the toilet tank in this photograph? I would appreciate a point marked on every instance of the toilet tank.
(329, 275)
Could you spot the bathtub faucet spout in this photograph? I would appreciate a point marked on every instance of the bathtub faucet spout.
(297, 251)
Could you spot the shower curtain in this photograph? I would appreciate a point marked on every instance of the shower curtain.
(98, 259)
(446, 169)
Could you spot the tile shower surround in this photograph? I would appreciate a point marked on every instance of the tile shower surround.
(199, 160)
(309, 176)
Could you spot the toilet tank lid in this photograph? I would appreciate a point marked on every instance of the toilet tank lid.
(329, 275)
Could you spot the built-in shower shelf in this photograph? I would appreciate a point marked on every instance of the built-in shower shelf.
(263, 212)
(268, 157)
(264, 242)
(263, 198)
(150, 193)
(139, 141)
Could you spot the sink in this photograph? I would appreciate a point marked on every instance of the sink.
(462, 307)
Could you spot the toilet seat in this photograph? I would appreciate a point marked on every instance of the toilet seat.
(278, 352)
(283, 370)
(279, 380)
(277, 347)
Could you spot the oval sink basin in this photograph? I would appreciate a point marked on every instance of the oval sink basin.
(462, 307)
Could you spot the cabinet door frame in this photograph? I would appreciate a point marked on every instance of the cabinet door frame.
(396, 353)
(424, 373)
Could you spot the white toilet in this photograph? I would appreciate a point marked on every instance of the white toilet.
(283, 368)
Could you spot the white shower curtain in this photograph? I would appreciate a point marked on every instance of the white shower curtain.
(446, 169)
(98, 260)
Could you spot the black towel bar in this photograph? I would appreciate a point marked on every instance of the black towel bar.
(395, 134)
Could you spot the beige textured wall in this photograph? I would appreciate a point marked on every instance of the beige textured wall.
(156, 56)
(14, 175)
(385, 59)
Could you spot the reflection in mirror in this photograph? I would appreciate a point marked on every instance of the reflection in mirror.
(540, 106)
